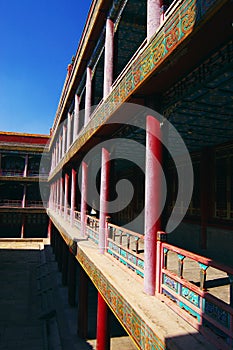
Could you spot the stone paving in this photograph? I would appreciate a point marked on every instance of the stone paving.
(20, 326)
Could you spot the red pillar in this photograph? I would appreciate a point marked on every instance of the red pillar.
(76, 117)
(108, 58)
(152, 201)
(23, 226)
(49, 229)
(102, 333)
(83, 304)
(57, 194)
(84, 199)
(104, 197)
(24, 196)
(63, 140)
(66, 195)
(73, 196)
(68, 130)
(61, 194)
(88, 96)
(153, 16)
(25, 166)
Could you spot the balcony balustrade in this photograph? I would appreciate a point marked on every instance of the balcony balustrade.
(9, 203)
(197, 288)
(198, 285)
(20, 173)
(11, 172)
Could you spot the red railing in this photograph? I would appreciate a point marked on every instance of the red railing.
(8, 203)
(13, 172)
(185, 281)
(197, 285)
(92, 228)
(35, 204)
(127, 247)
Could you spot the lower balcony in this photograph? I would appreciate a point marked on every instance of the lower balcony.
(10, 203)
(197, 288)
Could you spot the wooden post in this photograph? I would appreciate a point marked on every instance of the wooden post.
(161, 237)
(153, 16)
(25, 166)
(88, 95)
(61, 194)
(24, 195)
(104, 197)
(102, 333)
(23, 226)
(66, 195)
(49, 235)
(76, 117)
(68, 130)
(73, 196)
(84, 199)
(152, 201)
(108, 59)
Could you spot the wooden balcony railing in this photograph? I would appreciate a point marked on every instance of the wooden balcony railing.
(11, 172)
(36, 204)
(92, 228)
(77, 219)
(127, 247)
(9, 203)
(200, 286)
(197, 288)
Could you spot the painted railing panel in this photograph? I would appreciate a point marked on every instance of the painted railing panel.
(77, 219)
(192, 300)
(10, 203)
(92, 228)
(36, 204)
(127, 247)
(11, 172)
(194, 297)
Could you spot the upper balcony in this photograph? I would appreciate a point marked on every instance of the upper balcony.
(22, 167)
(150, 67)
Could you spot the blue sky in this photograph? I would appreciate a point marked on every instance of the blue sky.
(37, 41)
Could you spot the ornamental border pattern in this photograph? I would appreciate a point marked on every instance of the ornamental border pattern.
(142, 334)
(177, 28)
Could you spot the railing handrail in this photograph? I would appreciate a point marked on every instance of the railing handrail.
(14, 171)
(10, 201)
(127, 231)
(92, 218)
(199, 258)
(137, 255)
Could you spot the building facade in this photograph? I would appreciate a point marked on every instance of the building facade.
(152, 79)
(22, 212)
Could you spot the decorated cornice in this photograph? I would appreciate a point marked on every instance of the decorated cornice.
(27, 179)
(9, 146)
(180, 24)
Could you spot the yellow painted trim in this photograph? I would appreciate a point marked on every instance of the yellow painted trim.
(12, 133)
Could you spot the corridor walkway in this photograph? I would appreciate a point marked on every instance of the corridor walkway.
(20, 324)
